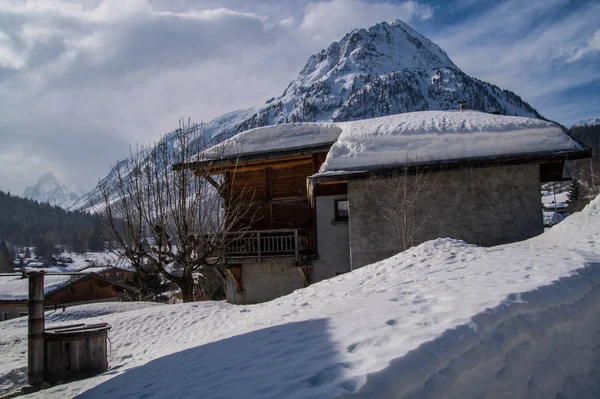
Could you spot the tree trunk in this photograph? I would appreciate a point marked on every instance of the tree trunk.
(187, 290)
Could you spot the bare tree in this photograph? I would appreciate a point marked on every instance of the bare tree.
(404, 204)
(176, 223)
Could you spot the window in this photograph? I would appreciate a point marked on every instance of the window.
(341, 210)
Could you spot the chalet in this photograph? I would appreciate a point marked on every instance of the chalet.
(326, 194)
(59, 290)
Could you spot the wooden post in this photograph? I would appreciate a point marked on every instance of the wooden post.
(268, 195)
(259, 251)
(36, 343)
(296, 241)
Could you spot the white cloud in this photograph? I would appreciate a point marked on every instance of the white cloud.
(330, 20)
(288, 22)
(525, 47)
(591, 46)
(78, 84)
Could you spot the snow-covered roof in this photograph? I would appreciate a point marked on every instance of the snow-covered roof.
(16, 288)
(274, 138)
(95, 269)
(549, 197)
(438, 136)
(100, 269)
(404, 139)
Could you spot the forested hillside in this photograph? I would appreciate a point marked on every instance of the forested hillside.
(586, 171)
(25, 222)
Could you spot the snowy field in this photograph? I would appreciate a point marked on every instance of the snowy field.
(84, 262)
(443, 319)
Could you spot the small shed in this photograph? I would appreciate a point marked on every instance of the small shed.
(63, 352)
(76, 351)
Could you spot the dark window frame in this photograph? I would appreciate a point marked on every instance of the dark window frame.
(337, 216)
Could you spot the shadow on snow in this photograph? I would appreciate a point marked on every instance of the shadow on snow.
(288, 360)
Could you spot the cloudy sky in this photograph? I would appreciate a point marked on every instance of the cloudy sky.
(81, 80)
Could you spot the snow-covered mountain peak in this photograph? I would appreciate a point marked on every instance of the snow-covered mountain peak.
(386, 69)
(47, 181)
(48, 189)
(380, 49)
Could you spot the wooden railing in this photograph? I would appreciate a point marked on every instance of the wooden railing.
(264, 243)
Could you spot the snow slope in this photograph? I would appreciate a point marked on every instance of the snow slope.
(443, 319)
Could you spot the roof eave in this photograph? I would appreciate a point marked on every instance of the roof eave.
(568, 155)
(255, 156)
(14, 301)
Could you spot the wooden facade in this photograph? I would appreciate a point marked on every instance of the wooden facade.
(276, 191)
(116, 274)
(86, 289)
(76, 351)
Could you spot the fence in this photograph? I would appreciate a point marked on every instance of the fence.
(262, 243)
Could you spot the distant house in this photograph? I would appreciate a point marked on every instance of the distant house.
(59, 290)
(322, 190)
(113, 273)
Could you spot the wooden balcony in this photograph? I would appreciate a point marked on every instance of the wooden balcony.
(260, 244)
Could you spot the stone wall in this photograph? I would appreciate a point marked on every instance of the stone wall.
(483, 206)
(332, 239)
(265, 281)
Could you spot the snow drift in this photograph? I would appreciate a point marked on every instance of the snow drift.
(443, 319)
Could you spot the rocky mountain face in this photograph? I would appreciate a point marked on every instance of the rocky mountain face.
(49, 190)
(386, 69)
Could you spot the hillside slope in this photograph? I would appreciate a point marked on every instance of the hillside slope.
(443, 318)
